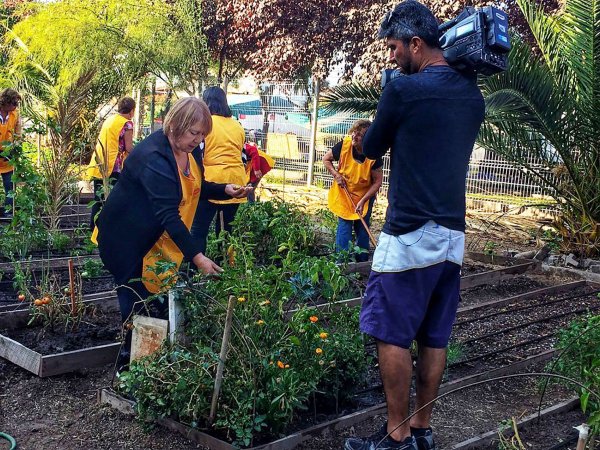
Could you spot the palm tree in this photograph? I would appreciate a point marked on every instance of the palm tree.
(545, 108)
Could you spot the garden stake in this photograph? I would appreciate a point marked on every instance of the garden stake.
(72, 286)
(222, 358)
(371, 237)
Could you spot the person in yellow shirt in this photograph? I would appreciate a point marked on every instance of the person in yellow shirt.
(10, 127)
(114, 143)
(362, 178)
(222, 164)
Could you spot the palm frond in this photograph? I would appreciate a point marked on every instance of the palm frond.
(351, 98)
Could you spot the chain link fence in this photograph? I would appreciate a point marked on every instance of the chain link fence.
(282, 119)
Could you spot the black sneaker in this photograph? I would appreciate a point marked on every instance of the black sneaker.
(424, 438)
(375, 442)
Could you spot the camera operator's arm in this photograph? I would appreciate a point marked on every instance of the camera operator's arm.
(377, 176)
(380, 135)
(328, 159)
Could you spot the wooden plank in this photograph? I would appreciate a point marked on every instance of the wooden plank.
(79, 359)
(495, 259)
(110, 397)
(196, 436)
(493, 276)
(364, 268)
(60, 262)
(526, 296)
(487, 438)
(20, 355)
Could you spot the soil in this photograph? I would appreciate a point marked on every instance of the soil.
(96, 329)
(62, 412)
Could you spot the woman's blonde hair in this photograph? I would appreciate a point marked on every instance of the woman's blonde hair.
(360, 124)
(184, 114)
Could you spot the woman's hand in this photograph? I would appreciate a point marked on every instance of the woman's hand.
(258, 174)
(206, 265)
(236, 191)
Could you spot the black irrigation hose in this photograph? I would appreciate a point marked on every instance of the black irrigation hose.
(526, 324)
(478, 383)
(537, 305)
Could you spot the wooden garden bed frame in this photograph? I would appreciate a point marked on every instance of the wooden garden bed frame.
(57, 363)
(108, 396)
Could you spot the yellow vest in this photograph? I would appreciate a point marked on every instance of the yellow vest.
(223, 155)
(107, 147)
(165, 249)
(6, 135)
(358, 181)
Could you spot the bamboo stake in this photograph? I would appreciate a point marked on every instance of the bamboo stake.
(72, 286)
(371, 237)
(222, 359)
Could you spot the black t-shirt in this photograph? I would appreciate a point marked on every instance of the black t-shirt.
(430, 120)
(360, 157)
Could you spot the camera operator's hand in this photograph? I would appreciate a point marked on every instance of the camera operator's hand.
(339, 179)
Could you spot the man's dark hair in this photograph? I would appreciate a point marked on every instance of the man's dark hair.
(216, 99)
(9, 97)
(409, 19)
(126, 105)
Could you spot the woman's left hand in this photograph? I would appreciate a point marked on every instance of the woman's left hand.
(236, 191)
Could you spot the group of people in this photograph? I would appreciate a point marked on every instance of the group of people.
(178, 179)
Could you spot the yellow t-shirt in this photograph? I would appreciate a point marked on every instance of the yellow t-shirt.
(7, 130)
(223, 154)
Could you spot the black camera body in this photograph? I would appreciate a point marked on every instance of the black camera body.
(476, 41)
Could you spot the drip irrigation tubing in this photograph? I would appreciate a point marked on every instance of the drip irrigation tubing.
(537, 305)
(526, 324)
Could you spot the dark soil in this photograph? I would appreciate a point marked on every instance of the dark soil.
(94, 330)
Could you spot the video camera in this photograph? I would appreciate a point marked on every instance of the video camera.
(475, 41)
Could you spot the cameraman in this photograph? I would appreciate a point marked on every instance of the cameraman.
(430, 119)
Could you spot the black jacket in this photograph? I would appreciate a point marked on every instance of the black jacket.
(143, 204)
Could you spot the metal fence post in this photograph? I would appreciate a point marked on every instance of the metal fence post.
(312, 149)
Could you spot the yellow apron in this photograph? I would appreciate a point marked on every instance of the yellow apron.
(6, 135)
(165, 249)
(358, 181)
(223, 155)
(107, 147)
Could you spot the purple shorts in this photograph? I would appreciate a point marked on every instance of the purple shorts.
(416, 304)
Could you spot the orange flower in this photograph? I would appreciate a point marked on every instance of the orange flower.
(260, 322)
(318, 351)
(265, 303)
(241, 299)
(280, 365)
(314, 319)
(323, 335)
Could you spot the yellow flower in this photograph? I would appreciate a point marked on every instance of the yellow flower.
(323, 335)
(241, 299)
(287, 366)
(260, 322)
(314, 319)
(318, 351)
(280, 365)
(265, 303)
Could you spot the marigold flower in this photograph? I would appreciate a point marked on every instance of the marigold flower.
(280, 365)
(314, 319)
(323, 335)
(260, 322)
(318, 351)
(241, 299)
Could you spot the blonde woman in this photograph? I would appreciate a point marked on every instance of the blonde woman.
(148, 215)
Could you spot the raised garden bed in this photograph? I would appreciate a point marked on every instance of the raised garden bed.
(46, 352)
